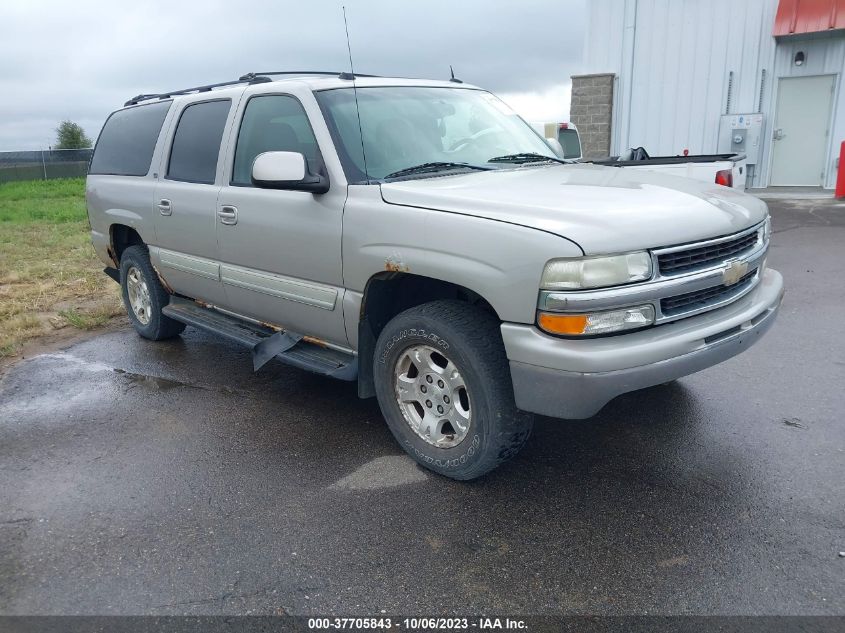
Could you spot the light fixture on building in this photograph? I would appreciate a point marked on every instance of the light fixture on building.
(799, 58)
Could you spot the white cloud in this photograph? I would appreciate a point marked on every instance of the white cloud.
(80, 60)
(547, 106)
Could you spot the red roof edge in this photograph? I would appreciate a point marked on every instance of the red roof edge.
(795, 17)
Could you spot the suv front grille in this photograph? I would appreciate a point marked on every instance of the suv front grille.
(690, 301)
(704, 256)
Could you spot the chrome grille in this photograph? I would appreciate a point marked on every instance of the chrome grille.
(689, 301)
(704, 256)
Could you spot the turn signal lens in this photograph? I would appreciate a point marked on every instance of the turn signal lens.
(596, 322)
(563, 323)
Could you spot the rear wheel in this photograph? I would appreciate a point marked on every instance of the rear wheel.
(144, 296)
(443, 384)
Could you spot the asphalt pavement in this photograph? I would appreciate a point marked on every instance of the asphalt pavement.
(167, 478)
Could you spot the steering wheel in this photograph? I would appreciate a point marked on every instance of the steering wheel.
(472, 140)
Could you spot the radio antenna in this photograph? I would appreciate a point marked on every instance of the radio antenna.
(355, 92)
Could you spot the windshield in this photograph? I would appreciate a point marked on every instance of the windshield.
(404, 127)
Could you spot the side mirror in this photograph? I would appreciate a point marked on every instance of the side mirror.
(286, 170)
(557, 148)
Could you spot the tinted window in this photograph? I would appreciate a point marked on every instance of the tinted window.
(272, 123)
(126, 144)
(196, 144)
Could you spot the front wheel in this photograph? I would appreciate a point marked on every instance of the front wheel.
(443, 384)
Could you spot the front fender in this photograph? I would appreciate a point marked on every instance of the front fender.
(501, 262)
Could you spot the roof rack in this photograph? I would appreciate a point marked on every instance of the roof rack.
(250, 78)
(341, 75)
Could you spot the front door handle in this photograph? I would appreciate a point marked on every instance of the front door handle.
(228, 215)
(778, 135)
(164, 207)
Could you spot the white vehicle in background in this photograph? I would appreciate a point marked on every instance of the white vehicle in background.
(723, 169)
(565, 133)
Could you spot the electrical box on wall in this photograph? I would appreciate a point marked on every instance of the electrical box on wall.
(741, 134)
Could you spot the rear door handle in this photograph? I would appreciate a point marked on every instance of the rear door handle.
(228, 215)
(164, 207)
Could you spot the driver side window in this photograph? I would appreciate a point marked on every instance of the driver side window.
(272, 123)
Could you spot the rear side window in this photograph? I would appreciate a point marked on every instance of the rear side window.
(272, 123)
(126, 144)
(196, 144)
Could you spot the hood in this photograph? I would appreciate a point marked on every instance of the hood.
(602, 209)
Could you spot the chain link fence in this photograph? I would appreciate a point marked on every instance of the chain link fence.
(43, 165)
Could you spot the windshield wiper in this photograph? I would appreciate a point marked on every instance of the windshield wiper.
(429, 168)
(527, 157)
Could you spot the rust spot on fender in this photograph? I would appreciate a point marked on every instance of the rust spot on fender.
(394, 264)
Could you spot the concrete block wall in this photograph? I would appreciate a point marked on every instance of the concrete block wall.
(591, 110)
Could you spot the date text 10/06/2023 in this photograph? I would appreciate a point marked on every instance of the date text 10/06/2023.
(417, 624)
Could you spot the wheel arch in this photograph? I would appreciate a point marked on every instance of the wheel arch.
(122, 236)
(388, 293)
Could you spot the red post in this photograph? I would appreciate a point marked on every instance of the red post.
(840, 175)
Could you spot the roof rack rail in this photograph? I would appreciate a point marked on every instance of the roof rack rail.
(251, 78)
(183, 91)
(341, 75)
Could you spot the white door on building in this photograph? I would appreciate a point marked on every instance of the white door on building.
(800, 133)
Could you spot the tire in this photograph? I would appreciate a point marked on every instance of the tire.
(140, 284)
(410, 350)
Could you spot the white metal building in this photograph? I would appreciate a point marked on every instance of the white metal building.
(680, 65)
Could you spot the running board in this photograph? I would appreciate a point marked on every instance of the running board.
(265, 342)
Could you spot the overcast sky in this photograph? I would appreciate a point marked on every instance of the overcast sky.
(81, 59)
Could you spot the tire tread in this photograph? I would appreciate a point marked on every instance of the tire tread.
(480, 336)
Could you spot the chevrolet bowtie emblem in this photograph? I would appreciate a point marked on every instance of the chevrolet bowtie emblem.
(735, 270)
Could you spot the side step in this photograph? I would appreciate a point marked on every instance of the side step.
(265, 343)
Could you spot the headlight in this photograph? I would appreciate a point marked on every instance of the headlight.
(596, 272)
(596, 322)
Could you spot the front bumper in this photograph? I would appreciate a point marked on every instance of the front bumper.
(566, 378)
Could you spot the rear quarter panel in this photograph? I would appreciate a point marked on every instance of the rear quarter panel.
(118, 200)
(124, 200)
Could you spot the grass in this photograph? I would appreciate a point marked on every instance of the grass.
(50, 278)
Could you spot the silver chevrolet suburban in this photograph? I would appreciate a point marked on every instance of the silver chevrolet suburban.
(421, 239)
